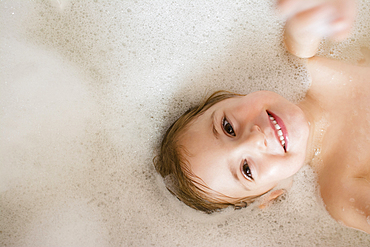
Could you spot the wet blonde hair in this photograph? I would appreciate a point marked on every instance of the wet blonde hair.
(172, 165)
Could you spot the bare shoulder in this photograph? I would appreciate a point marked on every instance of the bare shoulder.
(321, 69)
(333, 81)
(348, 201)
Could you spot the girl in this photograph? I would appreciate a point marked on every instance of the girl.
(233, 148)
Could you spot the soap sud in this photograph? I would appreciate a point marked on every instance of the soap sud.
(90, 89)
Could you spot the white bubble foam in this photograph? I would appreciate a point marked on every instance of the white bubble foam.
(89, 87)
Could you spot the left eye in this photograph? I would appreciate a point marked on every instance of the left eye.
(228, 128)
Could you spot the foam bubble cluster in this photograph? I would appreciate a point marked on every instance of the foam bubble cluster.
(87, 90)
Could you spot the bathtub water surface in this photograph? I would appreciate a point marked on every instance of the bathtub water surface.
(87, 89)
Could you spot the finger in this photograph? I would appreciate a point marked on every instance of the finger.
(304, 31)
(341, 30)
(343, 24)
(289, 8)
(315, 21)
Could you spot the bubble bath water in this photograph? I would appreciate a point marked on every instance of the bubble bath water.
(88, 88)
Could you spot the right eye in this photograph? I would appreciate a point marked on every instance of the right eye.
(228, 128)
(247, 171)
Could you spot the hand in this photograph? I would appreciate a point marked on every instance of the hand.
(308, 21)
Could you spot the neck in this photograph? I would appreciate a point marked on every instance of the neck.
(316, 119)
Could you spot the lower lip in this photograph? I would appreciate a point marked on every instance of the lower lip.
(283, 129)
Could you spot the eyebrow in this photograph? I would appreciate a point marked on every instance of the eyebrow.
(214, 130)
(235, 176)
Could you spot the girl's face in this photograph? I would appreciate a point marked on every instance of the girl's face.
(243, 146)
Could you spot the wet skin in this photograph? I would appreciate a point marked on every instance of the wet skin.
(234, 150)
(340, 94)
(234, 147)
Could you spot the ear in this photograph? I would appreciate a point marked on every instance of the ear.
(270, 197)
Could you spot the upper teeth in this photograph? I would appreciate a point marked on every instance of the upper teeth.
(279, 132)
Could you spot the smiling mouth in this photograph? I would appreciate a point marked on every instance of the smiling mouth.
(279, 130)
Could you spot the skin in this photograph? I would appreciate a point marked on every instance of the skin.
(217, 157)
(308, 22)
(329, 129)
(339, 96)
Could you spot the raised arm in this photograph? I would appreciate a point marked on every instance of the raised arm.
(308, 22)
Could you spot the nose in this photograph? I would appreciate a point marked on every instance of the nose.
(254, 138)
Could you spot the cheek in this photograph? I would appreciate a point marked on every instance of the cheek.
(274, 169)
(284, 168)
(295, 164)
